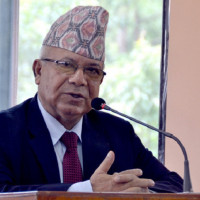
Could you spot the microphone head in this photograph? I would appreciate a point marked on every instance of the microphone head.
(97, 103)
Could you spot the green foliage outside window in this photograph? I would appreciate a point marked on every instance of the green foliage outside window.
(133, 54)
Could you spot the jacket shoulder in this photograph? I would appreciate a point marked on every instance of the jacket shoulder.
(107, 119)
(14, 115)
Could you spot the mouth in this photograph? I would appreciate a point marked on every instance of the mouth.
(76, 96)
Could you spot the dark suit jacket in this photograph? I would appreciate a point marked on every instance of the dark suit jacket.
(28, 161)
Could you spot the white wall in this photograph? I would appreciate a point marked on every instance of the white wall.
(183, 93)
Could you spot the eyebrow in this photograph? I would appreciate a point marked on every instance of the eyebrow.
(72, 60)
(94, 64)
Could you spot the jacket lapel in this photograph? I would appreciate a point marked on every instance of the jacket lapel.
(95, 144)
(40, 141)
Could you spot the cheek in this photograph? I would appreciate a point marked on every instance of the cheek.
(94, 90)
(50, 84)
(46, 83)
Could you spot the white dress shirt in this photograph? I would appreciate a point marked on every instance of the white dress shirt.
(56, 130)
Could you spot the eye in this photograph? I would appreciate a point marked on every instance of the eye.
(66, 67)
(66, 64)
(93, 71)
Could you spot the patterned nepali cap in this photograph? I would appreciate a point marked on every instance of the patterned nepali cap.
(81, 30)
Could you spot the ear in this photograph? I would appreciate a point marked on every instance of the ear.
(101, 80)
(37, 66)
(103, 66)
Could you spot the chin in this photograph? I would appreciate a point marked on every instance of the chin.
(72, 111)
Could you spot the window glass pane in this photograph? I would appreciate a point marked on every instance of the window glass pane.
(133, 54)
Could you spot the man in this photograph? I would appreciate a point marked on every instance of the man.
(38, 138)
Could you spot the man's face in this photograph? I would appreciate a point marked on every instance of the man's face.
(66, 97)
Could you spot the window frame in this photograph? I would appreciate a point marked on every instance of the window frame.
(163, 80)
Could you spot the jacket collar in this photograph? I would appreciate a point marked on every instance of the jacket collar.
(41, 142)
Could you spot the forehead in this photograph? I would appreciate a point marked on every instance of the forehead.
(59, 53)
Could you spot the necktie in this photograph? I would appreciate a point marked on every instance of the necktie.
(72, 171)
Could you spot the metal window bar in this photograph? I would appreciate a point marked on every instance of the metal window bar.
(163, 80)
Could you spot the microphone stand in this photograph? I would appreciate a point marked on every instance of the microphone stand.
(187, 185)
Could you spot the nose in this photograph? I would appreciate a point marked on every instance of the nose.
(78, 78)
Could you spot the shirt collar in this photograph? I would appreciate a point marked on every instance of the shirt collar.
(55, 128)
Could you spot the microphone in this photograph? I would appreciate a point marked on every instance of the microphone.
(99, 103)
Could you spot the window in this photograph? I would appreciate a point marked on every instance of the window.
(133, 55)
